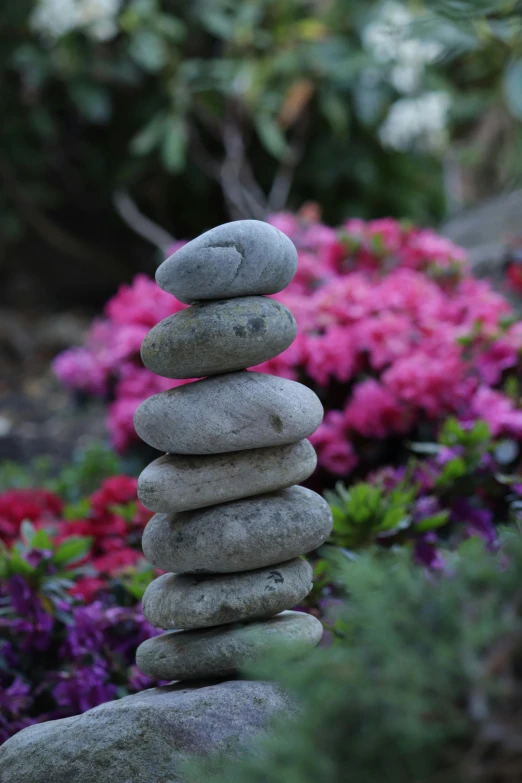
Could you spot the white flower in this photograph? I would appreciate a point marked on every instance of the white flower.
(389, 38)
(417, 121)
(97, 18)
(54, 18)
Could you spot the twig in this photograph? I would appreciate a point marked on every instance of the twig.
(140, 223)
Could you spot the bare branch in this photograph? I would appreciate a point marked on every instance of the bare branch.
(140, 223)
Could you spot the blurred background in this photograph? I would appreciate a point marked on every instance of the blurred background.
(128, 124)
(385, 139)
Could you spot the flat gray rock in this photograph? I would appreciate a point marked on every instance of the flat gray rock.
(217, 337)
(200, 601)
(232, 412)
(219, 652)
(240, 535)
(144, 738)
(181, 483)
(241, 258)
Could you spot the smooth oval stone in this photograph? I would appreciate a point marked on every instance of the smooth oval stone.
(219, 652)
(240, 535)
(218, 337)
(232, 412)
(180, 483)
(241, 258)
(200, 601)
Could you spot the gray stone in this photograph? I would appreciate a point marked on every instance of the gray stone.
(200, 601)
(240, 535)
(236, 259)
(181, 483)
(216, 337)
(232, 412)
(145, 738)
(219, 652)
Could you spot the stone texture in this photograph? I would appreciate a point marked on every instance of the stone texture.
(240, 535)
(231, 412)
(180, 483)
(242, 258)
(219, 652)
(144, 738)
(217, 337)
(200, 601)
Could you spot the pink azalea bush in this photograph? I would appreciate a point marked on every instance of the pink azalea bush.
(395, 335)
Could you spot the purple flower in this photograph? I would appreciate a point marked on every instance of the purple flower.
(478, 521)
(37, 556)
(425, 506)
(85, 634)
(16, 698)
(85, 687)
(425, 552)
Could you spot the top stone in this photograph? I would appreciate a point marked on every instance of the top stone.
(242, 258)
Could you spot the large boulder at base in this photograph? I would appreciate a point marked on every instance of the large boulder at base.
(144, 738)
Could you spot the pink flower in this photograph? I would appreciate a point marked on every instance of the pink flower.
(143, 302)
(498, 356)
(330, 355)
(335, 452)
(498, 411)
(385, 336)
(79, 368)
(375, 412)
(432, 383)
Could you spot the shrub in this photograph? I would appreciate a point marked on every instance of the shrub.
(395, 334)
(59, 655)
(71, 578)
(422, 682)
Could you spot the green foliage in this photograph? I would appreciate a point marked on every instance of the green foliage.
(366, 511)
(87, 469)
(422, 684)
(266, 103)
(50, 572)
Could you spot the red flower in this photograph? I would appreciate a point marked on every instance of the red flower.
(87, 588)
(116, 561)
(36, 505)
(115, 491)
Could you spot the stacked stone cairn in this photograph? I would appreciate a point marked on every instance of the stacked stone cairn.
(230, 524)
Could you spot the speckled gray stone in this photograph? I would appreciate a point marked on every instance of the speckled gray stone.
(146, 737)
(216, 337)
(219, 652)
(200, 601)
(231, 412)
(240, 535)
(180, 483)
(235, 259)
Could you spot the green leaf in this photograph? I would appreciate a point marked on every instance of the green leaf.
(173, 147)
(78, 510)
(18, 565)
(27, 532)
(513, 88)
(433, 522)
(149, 136)
(71, 550)
(271, 136)
(452, 471)
(92, 101)
(41, 540)
(148, 50)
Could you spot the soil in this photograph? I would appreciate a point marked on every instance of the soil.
(37, 415)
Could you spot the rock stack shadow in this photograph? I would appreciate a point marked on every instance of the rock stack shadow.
(231, 524)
